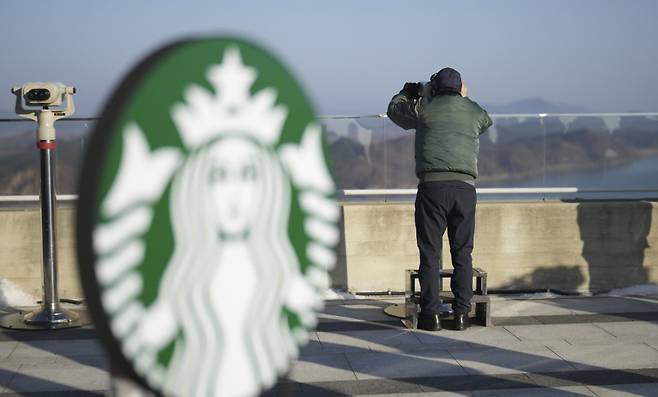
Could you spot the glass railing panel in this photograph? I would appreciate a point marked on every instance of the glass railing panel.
(632, 161)
(576, 153)
(351, 145)
(72, 137)
(19, 156)
(602, 153)
(19, 159)
(400, 167)
(512, 152)
(590, 152)
(370, 153)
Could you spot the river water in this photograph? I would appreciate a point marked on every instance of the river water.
(640, 174)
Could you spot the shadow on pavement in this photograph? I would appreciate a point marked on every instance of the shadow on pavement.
(449, 361)
(58, 349)
(49, 388)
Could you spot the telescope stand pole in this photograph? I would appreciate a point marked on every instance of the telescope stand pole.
(48, 208)
(50, 315)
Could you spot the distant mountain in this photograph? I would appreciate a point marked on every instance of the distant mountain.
(535, 105)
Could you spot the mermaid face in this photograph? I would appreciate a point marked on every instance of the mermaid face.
(235, 181)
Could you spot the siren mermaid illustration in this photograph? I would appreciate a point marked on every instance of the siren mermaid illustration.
(239, 262)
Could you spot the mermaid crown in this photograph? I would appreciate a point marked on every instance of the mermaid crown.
(231, 108)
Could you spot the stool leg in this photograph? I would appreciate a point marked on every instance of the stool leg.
(481, 284)
(480, 313)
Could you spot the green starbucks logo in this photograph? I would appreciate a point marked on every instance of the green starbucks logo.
(207, 223)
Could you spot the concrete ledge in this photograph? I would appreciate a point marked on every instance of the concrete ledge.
(523, 245)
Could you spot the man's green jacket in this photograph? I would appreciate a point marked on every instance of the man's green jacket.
(448, 128)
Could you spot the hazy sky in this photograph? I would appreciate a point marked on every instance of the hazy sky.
(354, 55)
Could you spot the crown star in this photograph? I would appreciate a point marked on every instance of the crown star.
(231, 109)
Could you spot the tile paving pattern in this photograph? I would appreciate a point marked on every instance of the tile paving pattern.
(576, 346)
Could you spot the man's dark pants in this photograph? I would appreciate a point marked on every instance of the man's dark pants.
(441, 205)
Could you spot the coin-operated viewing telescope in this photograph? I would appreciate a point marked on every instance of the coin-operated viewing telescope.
(43, 103)
(34, 102)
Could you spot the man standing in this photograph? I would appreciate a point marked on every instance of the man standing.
(448, 126)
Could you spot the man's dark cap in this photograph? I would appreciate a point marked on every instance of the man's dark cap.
(447, 79)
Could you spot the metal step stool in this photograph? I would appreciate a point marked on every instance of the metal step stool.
(408, 311)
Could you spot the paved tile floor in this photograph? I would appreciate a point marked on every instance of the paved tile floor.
(584, 346)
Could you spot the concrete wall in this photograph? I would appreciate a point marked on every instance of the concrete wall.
(525, 245)
(20, 251)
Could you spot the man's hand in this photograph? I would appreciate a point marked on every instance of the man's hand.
(412, 90)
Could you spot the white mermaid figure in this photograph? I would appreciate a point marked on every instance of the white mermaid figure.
(233, 275)
(229, 208)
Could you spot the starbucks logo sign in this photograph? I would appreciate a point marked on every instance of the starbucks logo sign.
(206, 223)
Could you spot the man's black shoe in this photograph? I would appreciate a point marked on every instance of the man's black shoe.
(429, 322)
(462, 321)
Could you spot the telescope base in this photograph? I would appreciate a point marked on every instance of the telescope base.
(41, 319)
